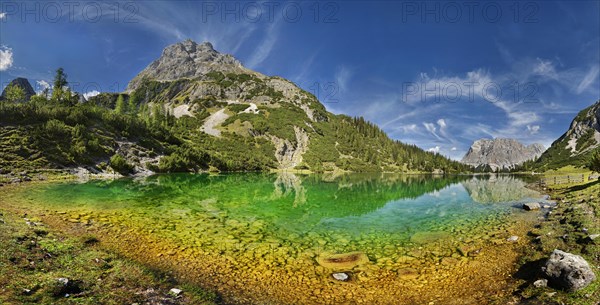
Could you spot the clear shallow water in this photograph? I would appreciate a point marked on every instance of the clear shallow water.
(272, 238)
(303, 209)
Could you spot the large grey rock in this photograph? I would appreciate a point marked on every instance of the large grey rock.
(530, 206)
(568, 271)
(501, 153)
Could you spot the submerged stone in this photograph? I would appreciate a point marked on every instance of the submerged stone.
(342, 260)
(428, 237)
(530, 206)
(340, 276)
(512, 239)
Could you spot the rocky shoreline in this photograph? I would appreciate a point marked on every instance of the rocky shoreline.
(561, 263)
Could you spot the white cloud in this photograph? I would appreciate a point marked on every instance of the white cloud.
(588, 79)
(453, 149)
(443, 127)
(430, 127)
(434, 150)
(92, 93)
(533, 129)
(545, 68)
(412, 128)
(2, 15)
(6, 58)
(42, 85)
(442, 123)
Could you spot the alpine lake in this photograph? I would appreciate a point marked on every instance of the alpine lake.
(280, 238)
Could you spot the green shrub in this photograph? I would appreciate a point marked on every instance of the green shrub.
(594, 163)
(120, 165)
(56, 129)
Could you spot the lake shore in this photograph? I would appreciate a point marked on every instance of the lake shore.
(42, 264)
(566, 227)
(482, 267)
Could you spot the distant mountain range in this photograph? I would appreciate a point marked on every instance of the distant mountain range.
(500, 154)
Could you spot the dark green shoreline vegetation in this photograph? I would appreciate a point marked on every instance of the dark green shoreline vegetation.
(66, 131)
(43, 266)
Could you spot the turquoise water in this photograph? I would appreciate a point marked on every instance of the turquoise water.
(277, 238)
(306, 210)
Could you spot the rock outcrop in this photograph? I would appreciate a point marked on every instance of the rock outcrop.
(188, 59)
(568, 271)
(501, 153)
(584, 133)
(22, 83)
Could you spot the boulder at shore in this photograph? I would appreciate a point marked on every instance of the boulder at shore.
(568, 271)
(530, 206)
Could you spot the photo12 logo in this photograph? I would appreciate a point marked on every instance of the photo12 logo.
(468, 11)
(69, 11)
(269, 11)
(453, 92)
(325, 92)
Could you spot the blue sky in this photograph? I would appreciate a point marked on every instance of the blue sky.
(435, 74)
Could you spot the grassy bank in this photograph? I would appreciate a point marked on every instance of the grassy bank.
(39, 265)
(567, 227)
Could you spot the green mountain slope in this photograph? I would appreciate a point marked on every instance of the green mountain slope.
(253, 121)
(575, 146)
(196, 109)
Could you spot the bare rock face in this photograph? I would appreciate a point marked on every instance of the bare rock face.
(188, 59)
(583, 128)
(289, 155)
(568, 271)
(501, 153)
(22, 83)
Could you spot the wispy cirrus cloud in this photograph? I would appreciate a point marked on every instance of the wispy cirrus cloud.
(264, 49)
(342, 77)
(588, 79)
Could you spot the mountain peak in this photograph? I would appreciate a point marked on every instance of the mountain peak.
(192, 47)
(188, 59)
(22, 83)
(501, 153)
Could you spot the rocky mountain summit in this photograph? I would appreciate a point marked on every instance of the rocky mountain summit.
(188, 59)
(501, 153)
(22, 83)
